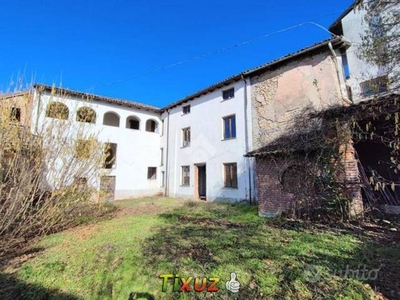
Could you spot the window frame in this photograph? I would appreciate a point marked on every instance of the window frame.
(15, 114)
(111, 164)
(228, 94)
(185, 175)
(151, 173)
(230, 181)
(186, 137)
(187, 107)
(224, 132)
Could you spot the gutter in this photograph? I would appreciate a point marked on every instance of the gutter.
(344, 97)
(166, 192)
(246, 138)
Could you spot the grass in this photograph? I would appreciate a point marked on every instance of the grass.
(122, 258)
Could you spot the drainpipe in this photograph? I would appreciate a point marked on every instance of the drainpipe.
(344, 97)
(246, 137)
(166, 159)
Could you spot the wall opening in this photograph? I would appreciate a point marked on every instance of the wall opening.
(111, 119)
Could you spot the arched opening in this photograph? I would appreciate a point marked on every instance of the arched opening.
(151, 126)
(133, 122)
(111, 119)
(86, 115)
(57, 110)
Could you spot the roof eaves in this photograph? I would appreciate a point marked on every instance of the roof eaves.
(343, 14)
(99, 98)
(246, 73)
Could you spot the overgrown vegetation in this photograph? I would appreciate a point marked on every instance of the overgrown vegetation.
(274, 259)
(47, 182)
(380, 42)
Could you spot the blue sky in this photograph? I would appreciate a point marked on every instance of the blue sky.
(109, 47)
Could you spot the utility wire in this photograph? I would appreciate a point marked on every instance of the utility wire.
(215, 52)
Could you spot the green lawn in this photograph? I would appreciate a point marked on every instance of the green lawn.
(122, 258)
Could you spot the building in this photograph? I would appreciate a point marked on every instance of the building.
(210, 145)
(364, 79)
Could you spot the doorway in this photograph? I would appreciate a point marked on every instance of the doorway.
(200, 182)
(107, 188)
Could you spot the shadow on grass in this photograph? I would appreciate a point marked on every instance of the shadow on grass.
(13, 289)
(214, 240)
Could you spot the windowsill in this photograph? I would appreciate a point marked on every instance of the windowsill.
(185, 146)
(185, 185)
(229, 139)
(230, 188)
(223, 100)
(151, 178)
(185, 114)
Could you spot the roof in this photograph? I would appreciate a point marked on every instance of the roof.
(335, 40)
(14, 95)
(364, 109)
(304, 142)
(125, 103)
(308, 141)
(349, 9)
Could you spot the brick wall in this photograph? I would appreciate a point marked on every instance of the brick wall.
(272, 199)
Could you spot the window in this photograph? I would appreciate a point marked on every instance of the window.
(186, 109)
(162, 127)
(162, 178)
(110, 153)
(86, 115)
(132, 122)
(345, 64)
(151, 173)
(374, 86)
(228, 94)
(186, 137)
(111, 119)
(162, 157)
(229, 127)
(151, 126)
(15, 114)
(185, 175)
(57, 110)
(230, 178)
(83, 148)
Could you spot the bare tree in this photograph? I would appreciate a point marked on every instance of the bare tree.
(46, 173)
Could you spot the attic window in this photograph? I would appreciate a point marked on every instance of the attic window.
(186, 109)
(228, 94)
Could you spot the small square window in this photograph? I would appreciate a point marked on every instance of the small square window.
(186, 109)
(185, 175)
(229, 127)
(228, 94)
(186, 137)
(151, 173)
(15, 114)
(230, 176)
